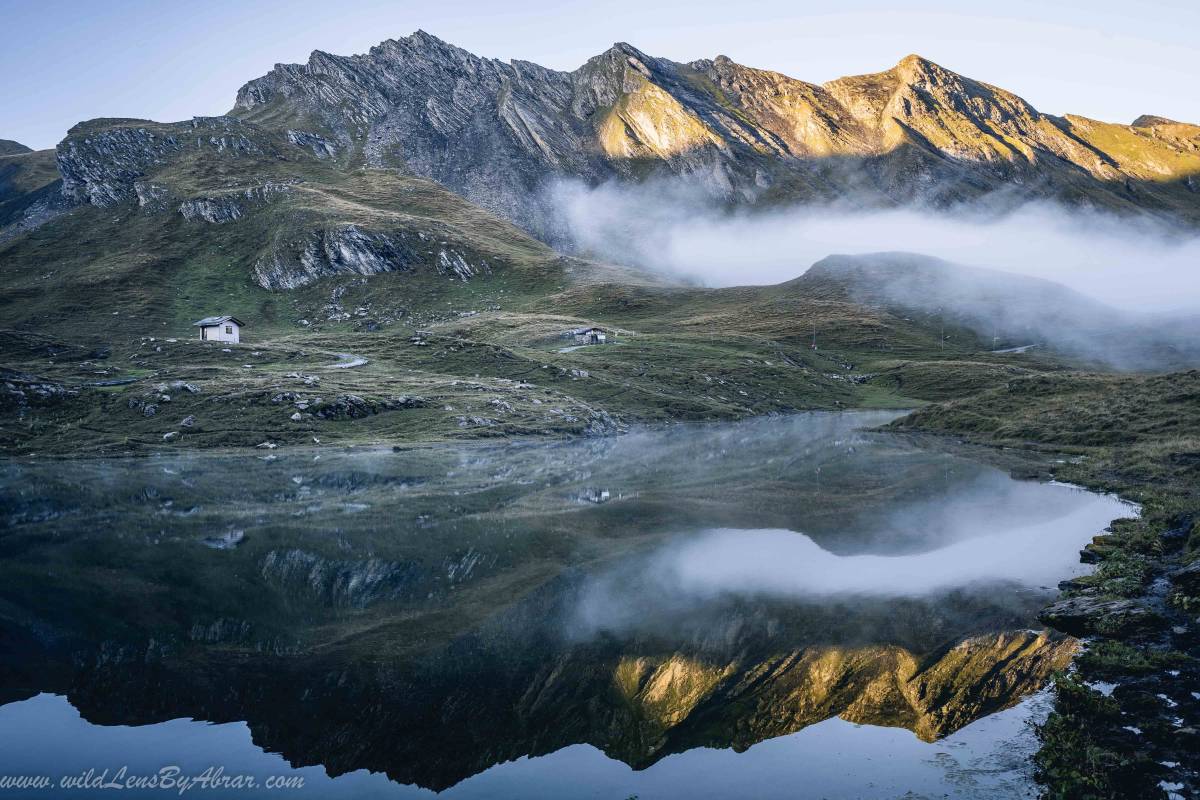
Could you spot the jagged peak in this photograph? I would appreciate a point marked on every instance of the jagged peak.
(420, 41)
(627, 49)
(623, 52)
(915, 68)
(620, 55)
(319, 58)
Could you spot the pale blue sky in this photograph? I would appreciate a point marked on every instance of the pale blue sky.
(67, 60)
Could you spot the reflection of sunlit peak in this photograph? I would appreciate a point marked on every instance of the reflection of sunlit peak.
(667, 691)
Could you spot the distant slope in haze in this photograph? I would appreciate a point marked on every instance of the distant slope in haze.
(1010, 310)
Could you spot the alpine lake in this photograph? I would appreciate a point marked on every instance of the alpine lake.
(788, 607)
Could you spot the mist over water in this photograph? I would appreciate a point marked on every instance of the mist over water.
(789, 564)
(671, 227)
(988, 537)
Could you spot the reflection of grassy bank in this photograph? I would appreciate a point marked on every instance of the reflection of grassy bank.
(1139, 437)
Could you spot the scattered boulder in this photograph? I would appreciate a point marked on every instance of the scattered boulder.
(351, 406)
(188, 421)
(170, 435)
(21, 391)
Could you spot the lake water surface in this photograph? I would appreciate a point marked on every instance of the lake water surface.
(792, 607)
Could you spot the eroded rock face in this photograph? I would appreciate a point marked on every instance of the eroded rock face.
(231, 206)
(320, 146)
(452, 263)
(214, 210)
(345, 250)
(351, 250)
(102, 168)
(104, 162)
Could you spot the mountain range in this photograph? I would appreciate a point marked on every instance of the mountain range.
(409, 191)
(496, 132)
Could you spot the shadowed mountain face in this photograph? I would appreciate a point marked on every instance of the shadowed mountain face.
(496, 132)
(30, 188)
(434, 612)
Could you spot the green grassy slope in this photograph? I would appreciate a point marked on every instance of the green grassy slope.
(182, 218)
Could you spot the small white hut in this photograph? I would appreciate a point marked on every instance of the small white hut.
(590, 335)
(220, 329)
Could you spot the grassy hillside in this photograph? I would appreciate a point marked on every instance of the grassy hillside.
(458, 314)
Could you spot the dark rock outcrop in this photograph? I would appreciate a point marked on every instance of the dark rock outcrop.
(1083, 616)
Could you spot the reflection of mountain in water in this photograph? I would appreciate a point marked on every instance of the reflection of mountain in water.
(419, 613)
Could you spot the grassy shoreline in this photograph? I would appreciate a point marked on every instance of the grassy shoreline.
(1124, 717)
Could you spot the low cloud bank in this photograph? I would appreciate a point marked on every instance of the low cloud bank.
(1131, 263)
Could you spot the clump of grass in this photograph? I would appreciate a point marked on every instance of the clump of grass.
(1074, 762)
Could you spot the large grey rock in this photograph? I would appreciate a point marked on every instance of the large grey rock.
(1084, 616)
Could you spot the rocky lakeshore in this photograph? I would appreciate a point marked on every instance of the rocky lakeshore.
(1127, 715)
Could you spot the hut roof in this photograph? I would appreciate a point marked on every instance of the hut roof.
(209, 322)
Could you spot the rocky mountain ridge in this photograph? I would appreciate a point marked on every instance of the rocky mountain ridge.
(503, 134)
(497, 132)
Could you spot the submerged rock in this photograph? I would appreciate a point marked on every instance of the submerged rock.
(225, 541)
